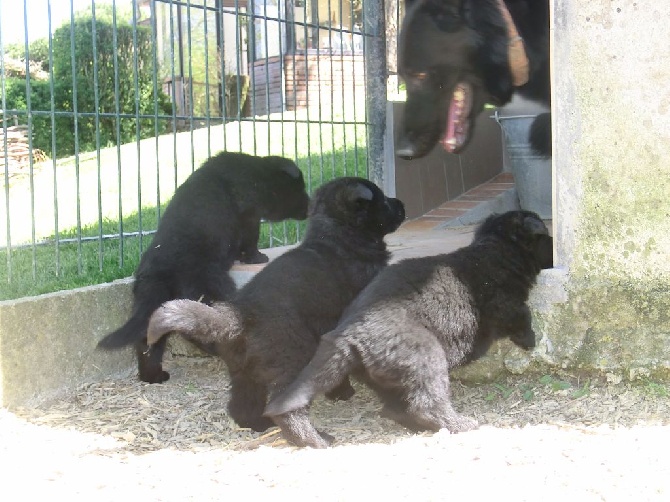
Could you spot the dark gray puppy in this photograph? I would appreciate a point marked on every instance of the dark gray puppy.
(418, 319)
(269, 331)
(212, 220)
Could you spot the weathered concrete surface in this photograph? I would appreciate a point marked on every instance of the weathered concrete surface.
(612, 180)
(47, 343)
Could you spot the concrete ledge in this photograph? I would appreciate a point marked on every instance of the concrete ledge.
(48, 342)
(505, 201)
(607, 326)
(604, 329)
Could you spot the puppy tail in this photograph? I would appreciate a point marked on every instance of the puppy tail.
(136, 327)
(196, 321)
(132, 331)
(333, 361)
(147, 296)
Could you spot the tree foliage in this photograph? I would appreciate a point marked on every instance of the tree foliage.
(102, 67)
(40, 99)
(118, 64)
(38, 53)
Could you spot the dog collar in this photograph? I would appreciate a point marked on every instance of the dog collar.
(516, 53)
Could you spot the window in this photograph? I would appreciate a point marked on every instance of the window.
(269, 28)
(333, 25)
(281, 26)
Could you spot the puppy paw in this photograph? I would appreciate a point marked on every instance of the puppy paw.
(254, 258)
(327, 437)
(342, 392)
(155, 377)
(462, 424)
(400, 416)
(320, 441)
(259, 424)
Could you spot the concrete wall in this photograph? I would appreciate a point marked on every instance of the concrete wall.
(47, 342)
(611, 99)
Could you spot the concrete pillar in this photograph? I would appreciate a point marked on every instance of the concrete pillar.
(607, 304)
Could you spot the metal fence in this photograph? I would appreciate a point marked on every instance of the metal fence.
(108, 106)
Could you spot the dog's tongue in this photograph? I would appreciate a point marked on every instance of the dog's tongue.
(458, 122)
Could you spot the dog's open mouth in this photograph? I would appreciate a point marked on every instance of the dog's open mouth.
(458, 118)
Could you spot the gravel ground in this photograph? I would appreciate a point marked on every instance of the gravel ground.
(542, 437)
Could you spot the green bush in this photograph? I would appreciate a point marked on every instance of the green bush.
(38, 53)
(129, 102)
(134, 70)
(40, 99)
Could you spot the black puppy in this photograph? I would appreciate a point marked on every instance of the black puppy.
(212, 220)
(457, 55)
(418, 319)
(269, 331)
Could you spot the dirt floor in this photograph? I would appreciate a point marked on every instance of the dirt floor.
(545, 437)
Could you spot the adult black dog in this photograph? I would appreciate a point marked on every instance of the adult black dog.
(457, 55)
(212, 220)
(421, 317)
(269, 331)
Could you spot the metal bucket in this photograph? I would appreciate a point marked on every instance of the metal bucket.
(532, 172)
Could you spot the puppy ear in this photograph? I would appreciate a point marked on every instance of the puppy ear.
(359, 192)
(286, 165)
(292, 170)
(534, 225)
(446, 14)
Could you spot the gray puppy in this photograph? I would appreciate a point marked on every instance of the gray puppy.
(418, 319)
(269, 331)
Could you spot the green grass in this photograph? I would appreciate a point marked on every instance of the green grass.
(545, 385)
(107, 192)
(655, 389)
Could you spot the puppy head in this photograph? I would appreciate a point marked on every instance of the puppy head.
(516, 226)
(358, 203)
(523, 228)
(288, 197)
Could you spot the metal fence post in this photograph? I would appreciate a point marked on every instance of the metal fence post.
(375, 82)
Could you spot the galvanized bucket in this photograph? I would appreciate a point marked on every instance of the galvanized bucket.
(532, 172)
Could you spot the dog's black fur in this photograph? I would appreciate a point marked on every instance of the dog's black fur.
(212, 220)
(444, 43)
(269, 331)
(421, 317)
